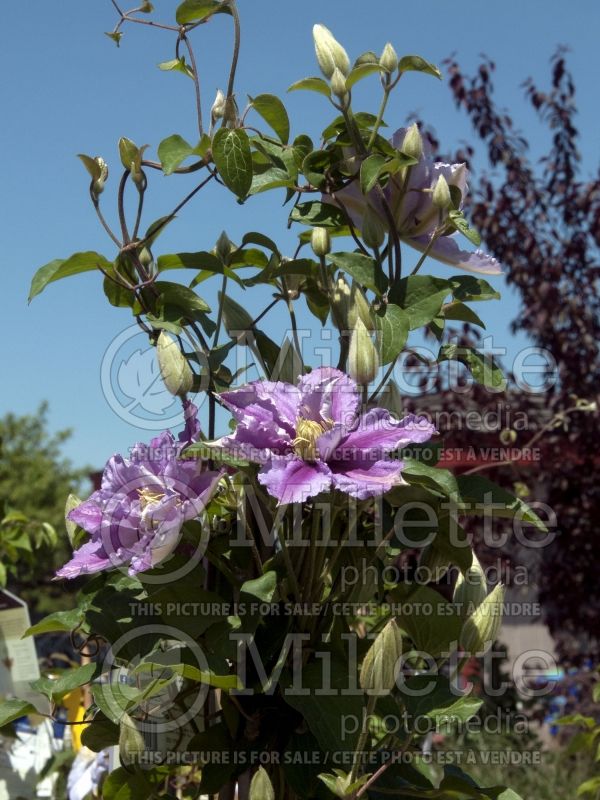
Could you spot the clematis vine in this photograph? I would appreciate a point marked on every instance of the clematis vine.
(136, 516)
(311, 438)
(418, 220)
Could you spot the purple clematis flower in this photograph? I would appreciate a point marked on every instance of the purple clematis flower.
(311, 438)
(415, 215)
(136, 516)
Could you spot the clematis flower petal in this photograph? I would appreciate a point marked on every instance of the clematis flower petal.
(292, 480)
(369, 479)
(87, 559)
(280, 400)
(378, 432)
(447, 250)
(328, 395)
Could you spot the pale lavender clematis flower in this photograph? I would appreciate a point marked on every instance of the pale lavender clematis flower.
(135, 518)
(311, 437)
(415, 215)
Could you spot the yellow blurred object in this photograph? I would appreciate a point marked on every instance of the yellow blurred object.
(74, 703)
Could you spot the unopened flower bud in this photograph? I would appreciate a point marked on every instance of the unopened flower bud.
(373, 228)
(223, 247)
(320, 241)
(330, 53)
(363, 361)
(174, 368)
(481, 628)
(340, 301)
(382, 661)
(98, 183)
(338, 85)
(413, 143)
(470, 589)
(389, 58)
(145, 257)
(359, 308)
(218, 107)
(440, 196)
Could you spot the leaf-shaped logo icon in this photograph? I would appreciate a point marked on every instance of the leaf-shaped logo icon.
(139, 379)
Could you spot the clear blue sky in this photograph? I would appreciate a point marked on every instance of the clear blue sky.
(68, 89)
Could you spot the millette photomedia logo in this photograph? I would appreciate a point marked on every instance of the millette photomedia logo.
(133, 386)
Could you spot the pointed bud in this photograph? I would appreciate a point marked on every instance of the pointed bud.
(338, 86)
(261, 787)
(481, 628)
(363, 361)
(218, 107)
(359, 308)
(131, 741)
(145, 257)
(441, 194)
(389, 58)
(340, 300)
(223, 247)
(381, 664)
(470, 589)
(373, 229)
(413, 143)
(330, 53)
(320, 241)
(98, 183)
(174, 368)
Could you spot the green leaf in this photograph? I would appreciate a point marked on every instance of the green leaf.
(235, 317)
(440, 480)
(233, 159)
(441, 631)
(100, 733)
(432, 697)
(422, 297)
(128, 151)
(458, 221)
(483, 367)
(176, 65)
(174, 294)
(207, 451)
(172, 151)
(263, 588)
(272, 110)
(202, 260)
(197, 10)
(392, 327)
(57, 621)
(485, 497)
(315, 212)
(312, 85)
(362, 71)
(10, 710)
(370, 170)
(124, 784)
(418, 64)
(91, 165)
(58, 269)
(116, 36)
(66, 683)
(463, 313)
(467, 288)
(364, 269)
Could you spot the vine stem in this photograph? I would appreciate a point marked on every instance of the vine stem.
(386, 95)
(384, 380)
(196, 83)
(362, 740)
(236, 49)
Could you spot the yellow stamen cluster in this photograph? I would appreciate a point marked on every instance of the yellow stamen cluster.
(148, 496)
(307, 433)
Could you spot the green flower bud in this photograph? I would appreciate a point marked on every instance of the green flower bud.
(481, 628)
(373, 228)
(218, 107)
(440, 196)
(145, 257)
(98, 183)
(413, 143)
(340, 300)
(320, 241)
(261, 787)
(338, 86)
(363, 361)
(330, 53)
(174, 368)
(389, 58)
(223, 247)
(131, 741)
(380, 665)
(508, 436)
(359, 308)
(470, 589)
